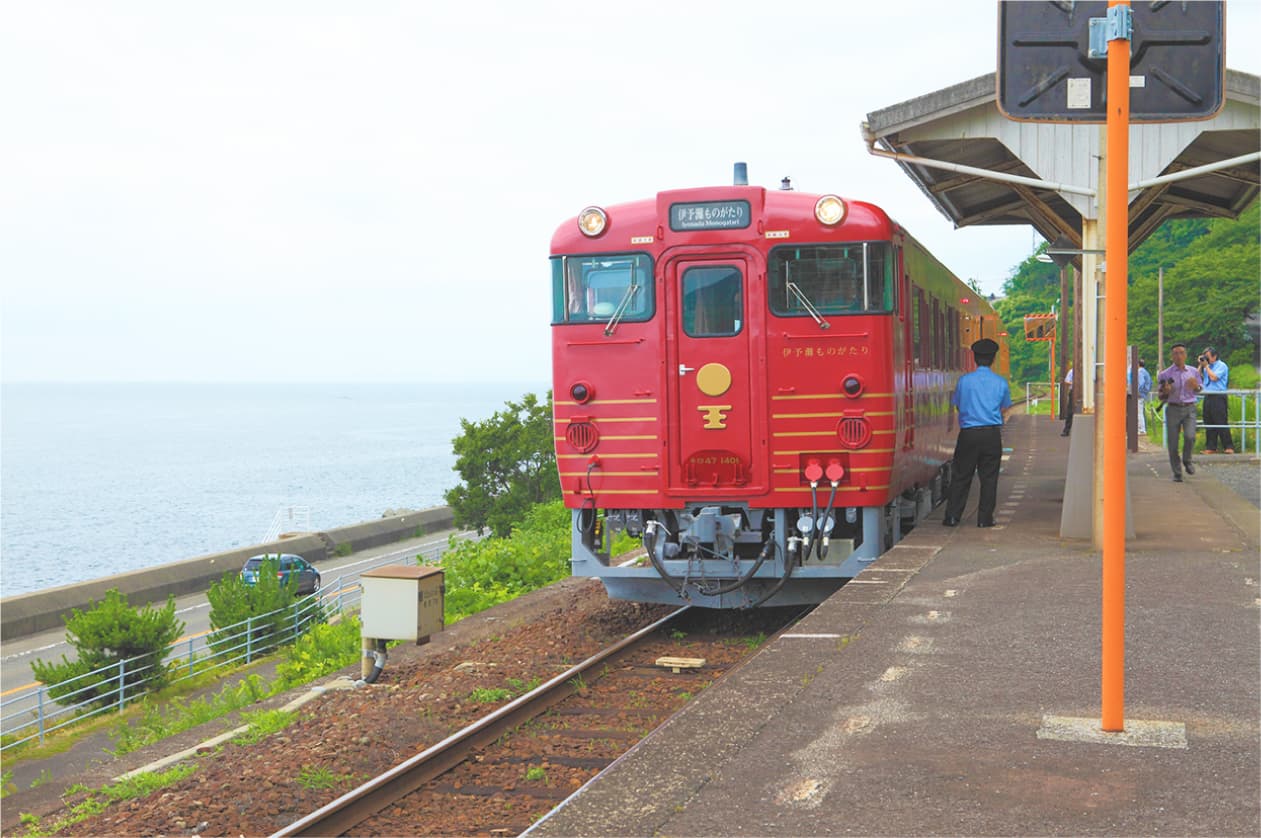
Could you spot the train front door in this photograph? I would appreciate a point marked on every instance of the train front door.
(714, 376)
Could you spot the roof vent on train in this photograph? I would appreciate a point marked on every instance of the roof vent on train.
(742, 174)
(786, 185)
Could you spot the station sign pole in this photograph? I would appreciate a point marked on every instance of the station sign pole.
(1116, 294)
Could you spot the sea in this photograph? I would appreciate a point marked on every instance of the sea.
(101, 478)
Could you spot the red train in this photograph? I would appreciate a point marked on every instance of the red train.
(757, 383)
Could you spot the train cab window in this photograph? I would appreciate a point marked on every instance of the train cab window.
(596, 289)
(832, 279)
(713, 301)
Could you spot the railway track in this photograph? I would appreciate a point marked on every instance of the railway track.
(503, 771)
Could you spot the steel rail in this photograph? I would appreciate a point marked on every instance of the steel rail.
(357, 805)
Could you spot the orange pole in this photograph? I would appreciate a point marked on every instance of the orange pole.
(1116, 302)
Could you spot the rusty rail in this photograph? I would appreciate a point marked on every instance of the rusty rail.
(357, 805)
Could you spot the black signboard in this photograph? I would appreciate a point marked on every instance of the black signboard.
(1045, 72)
(710, 215)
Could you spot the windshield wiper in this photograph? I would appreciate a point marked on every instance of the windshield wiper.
(621, 309)
(809, 306)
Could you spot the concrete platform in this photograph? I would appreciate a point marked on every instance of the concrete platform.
(953, 688)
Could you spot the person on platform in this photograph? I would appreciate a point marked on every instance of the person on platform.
(1066, 410)
(983, 399)
(1177, 386)
(1144, 394)
(1215, 377)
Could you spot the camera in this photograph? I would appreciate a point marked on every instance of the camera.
(1203, 359)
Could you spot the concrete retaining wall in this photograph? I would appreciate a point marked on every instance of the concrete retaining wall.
(38, 611)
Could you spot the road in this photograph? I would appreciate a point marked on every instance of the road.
(16, 655)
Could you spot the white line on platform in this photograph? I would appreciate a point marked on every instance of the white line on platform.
(814, 636)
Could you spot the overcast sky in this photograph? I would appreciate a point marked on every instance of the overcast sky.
(274, 191)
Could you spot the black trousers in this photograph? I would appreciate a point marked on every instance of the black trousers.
(1215, 414)
(978, 451)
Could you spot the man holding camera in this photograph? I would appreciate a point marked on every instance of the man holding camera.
(1177, 386)
(1215, 377)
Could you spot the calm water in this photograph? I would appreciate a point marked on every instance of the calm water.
(101, 478)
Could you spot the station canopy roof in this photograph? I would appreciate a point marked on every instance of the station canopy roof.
(962, 125)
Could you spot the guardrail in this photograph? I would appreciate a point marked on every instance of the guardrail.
(1248, 420)
(33, 712)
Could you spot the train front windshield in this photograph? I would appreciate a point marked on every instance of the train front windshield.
(587, 289)
(834, 279)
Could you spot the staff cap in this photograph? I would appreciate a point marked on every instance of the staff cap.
(985, 346)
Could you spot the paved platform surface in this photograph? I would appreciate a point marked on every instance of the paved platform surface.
(953, 687)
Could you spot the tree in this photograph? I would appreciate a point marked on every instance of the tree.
(508, 464)
(266, 603)
(109, 632)
(1210, 277)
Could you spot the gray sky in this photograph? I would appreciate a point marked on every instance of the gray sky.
(305, 191)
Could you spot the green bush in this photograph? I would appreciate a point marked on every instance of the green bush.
(107, 633)
(323, 649)
(479, 574)
(232, 601)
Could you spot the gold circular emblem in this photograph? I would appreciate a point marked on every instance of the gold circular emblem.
(713, 379)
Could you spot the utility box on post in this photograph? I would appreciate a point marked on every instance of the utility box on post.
(402, 602)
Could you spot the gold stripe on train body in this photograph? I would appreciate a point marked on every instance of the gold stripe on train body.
(838, 415)
(839, 396)
(646, 455)
(784, 434)
(606, 401)
(602, 420)
(829, 488)
(609, 438)
(833, 451)
(847, 471)
(598, 492)
(648, 474)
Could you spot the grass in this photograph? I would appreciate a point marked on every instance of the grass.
(317, 778)
(536, 773)
(157, 722)
(489, 695)
(97, 800)
(264, 723)
(523, 687)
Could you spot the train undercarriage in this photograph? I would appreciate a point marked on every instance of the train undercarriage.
(732, 555)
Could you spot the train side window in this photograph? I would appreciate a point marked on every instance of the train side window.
(917, 323)
(713, 301)
(934, 337)
(593, 289)
(833, 279)
(881, 289)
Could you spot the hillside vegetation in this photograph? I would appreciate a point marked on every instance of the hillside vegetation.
(1212, 286)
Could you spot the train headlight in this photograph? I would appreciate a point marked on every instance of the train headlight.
(582, 392)
(592, 221)
(830, 210)
(852, 385)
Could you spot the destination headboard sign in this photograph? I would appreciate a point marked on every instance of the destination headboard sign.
(710, 215)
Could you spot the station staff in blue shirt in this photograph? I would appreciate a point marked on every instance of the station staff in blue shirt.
(983, 400)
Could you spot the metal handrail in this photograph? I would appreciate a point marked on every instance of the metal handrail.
(31, 712)
(1244, 425)
(288, 519)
